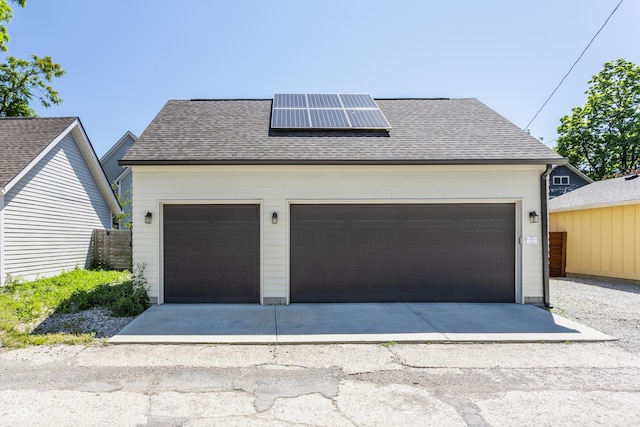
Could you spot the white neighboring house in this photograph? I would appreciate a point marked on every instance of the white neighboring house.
(245, 201)
(120, 175)
(53, 194)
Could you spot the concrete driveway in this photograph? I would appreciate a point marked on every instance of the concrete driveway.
(351, 323)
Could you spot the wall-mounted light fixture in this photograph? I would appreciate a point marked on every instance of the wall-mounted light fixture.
(274, 218)
(147, 218)
(534, 217)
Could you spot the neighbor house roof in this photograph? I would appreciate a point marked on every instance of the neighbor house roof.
(23, 138)
(424, 131)
(609, 192)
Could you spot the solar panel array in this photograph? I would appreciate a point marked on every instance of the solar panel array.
(326, 111)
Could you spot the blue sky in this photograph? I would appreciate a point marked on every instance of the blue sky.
(125, 59)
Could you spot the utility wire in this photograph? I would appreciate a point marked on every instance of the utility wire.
(574, 64)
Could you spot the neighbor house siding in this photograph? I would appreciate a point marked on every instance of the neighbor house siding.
(110, 160)
(276, 187)
(575, 181)
(49, 215)
(602, 241)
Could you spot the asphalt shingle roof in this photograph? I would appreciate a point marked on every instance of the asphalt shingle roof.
(23, 138)
(423, 131)
(609, 192)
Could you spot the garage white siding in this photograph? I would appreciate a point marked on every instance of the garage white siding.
(275, 187)
(49, 215)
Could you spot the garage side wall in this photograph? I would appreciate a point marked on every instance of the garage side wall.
(602, 241)
(276, 187)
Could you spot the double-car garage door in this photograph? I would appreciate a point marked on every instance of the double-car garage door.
(345, 253)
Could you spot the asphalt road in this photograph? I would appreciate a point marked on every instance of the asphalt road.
(543, 384)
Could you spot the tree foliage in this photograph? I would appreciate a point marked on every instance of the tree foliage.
(602, 138)
(22, 81)
(6, 14)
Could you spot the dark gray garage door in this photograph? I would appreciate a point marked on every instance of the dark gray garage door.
(211, 253)
(378, 253)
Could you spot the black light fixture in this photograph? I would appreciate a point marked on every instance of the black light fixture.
(147, 218)
(274, 218)
(534, 217)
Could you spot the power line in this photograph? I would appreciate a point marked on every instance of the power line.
(574, 64)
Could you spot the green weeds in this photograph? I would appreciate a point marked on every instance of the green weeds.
(23, 305)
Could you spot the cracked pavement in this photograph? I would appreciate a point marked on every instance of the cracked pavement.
(321, 385)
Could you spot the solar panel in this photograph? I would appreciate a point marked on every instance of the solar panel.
(289, 100)
(367, 119)
(358, 100)
(324, 101)
(329, 119)
(326, 111)
(290, 118)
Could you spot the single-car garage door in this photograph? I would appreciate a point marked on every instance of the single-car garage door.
(403, 252)
(211, 253)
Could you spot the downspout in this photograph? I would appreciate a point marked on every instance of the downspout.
(544, 213)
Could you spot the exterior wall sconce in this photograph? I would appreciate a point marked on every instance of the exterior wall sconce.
(147, 218)
(534, 218)
(274, 218)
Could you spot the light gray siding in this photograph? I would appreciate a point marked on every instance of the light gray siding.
(50, 213)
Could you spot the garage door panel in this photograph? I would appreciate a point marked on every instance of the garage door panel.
(211, 253)
(377, 253)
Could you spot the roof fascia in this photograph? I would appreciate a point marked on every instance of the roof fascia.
(127, 171)
(94, 165)
(340, 162)
(596, 206)
(117, 145)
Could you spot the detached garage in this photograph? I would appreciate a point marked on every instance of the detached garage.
(339, 198)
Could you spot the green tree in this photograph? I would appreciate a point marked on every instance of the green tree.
(6, 14)
(23, 80)
(602, 138)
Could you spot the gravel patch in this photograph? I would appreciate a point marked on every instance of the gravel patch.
(608, 306)
(96, 320)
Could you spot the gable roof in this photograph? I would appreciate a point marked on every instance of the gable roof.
(24, 141)
(110, 159)
(128, 137)
(424, 131)
(574, 170)
(23, 138)
(608, 192)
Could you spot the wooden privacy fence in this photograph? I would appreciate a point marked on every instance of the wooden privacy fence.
(112, 249)
(557, 253)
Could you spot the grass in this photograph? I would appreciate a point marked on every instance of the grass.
(24, 305)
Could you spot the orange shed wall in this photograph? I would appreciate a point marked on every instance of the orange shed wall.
(601, 242)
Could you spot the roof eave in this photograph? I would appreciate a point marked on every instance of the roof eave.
(134, 162)
(595, 206)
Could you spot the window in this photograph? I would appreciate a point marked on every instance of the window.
(560, 180)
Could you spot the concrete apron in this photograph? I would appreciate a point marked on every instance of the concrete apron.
(351, 323)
